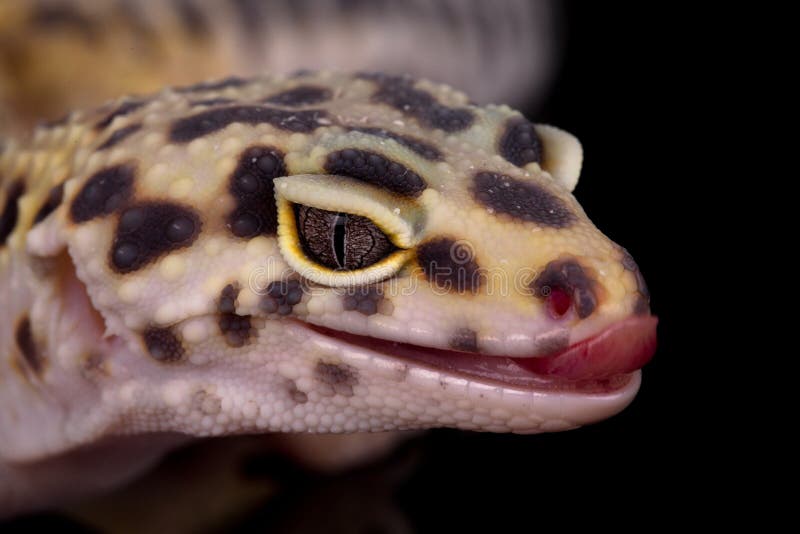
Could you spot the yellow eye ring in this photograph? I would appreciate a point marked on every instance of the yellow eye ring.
(292, 251)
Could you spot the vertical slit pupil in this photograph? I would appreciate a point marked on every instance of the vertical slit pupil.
(339, 233)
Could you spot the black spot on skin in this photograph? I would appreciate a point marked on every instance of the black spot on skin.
(585, 301)
(400, 93)
(120, 134)
(364, 300)
(60, 121)
(233, 81)
(53, 201)
(551, 342)
(103, 193)
(123, 109)
(23, 335)
(570, 277)
(93, 366)
(520, 144)
(163, 345)
(375, 169)
(642, 306)
(302, 73)
(227, 299)
(525, 201)
(206, 402)
(281, 297)
(9, 215)
(426, 150)
(449, 264)
(192, 18)
(211, 102)
(55, 17)
(630, 264)
(180, 229)
(149, 230)
(339, 377)
(295, 394)
(252, 188)
(304, 95)
(464, 339)
(237, 329)
(207, 122)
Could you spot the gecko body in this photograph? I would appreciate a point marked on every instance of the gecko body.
(321, 252)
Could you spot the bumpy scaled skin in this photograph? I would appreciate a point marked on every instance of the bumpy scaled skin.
(192, 220)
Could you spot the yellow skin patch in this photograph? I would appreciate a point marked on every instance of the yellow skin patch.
(201, 286)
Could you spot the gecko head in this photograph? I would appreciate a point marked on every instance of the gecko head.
(487, 277)
(364, 253)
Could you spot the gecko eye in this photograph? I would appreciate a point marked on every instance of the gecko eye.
(340, 241)
(338, 232)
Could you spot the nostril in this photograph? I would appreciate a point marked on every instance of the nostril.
(558, 302)
(565, 284)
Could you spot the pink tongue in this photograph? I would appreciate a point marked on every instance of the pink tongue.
(621, 348)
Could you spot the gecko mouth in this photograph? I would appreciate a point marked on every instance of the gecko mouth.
(601, 364)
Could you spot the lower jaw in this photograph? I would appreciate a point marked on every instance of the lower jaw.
(496, 370)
